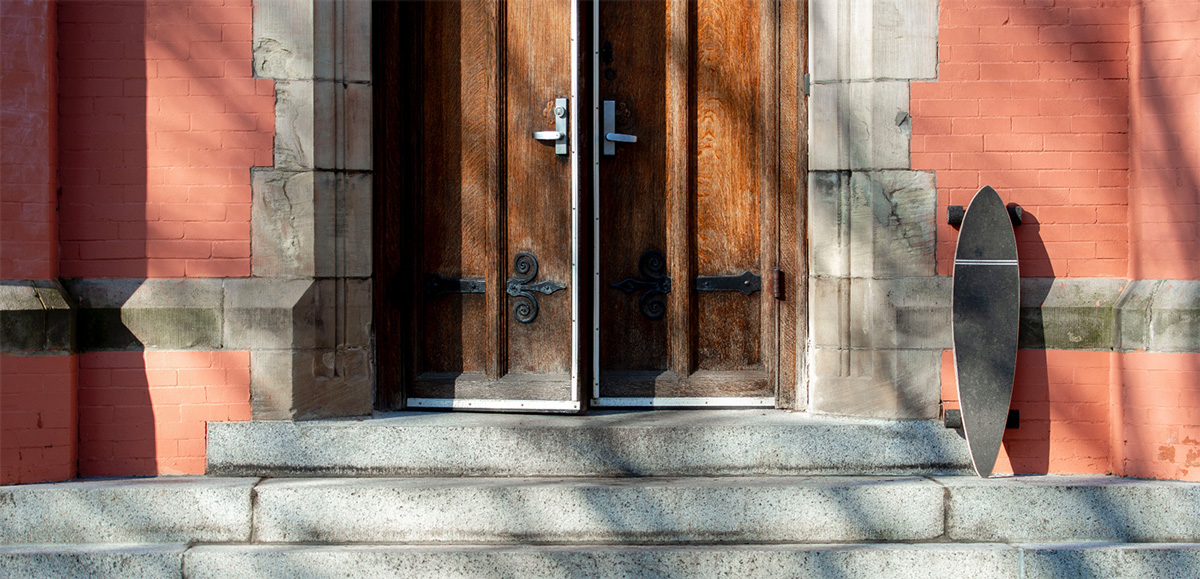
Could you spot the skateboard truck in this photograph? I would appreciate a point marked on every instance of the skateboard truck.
(952, 418)
(955, 213)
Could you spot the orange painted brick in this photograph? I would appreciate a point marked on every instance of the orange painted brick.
(231, 360)
(216, 231)
(177, 395)
(980, 53)
(929, 161)
(1008, 71)
(954, 143)
(948, 108)
(182, 359)
(1099, 124)
(1039, 160)
(984, 161)
(165, 414)
(227, 394)
(977, 17)
(201, 377)
(182, 430)
(167, 44)
(1012, 143)
(1011, 107)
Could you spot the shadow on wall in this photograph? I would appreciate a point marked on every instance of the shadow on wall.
(160, 120)
(103, 214)
(1159, 404)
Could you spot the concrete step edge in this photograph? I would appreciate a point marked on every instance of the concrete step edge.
(663, 443)
(662, 509)
(919, 560)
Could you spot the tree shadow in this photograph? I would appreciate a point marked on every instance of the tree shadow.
(104, 221)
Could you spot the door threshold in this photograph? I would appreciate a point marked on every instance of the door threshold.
(683, 402)
(493, 405)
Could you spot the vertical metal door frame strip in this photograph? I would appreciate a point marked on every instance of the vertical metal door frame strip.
(575, 213)
(596, 199)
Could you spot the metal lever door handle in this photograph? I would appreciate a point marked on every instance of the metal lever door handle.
(559, 134)
(611, 137)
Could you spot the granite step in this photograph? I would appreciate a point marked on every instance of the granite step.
(866, 561)
(637, 443)
(638, 510)
(650, 510)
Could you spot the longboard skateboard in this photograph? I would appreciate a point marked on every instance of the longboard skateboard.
(985, 310)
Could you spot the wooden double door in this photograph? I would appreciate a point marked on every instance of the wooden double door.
(587, 203)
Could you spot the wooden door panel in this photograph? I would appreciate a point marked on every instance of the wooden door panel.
(538, 203)
(728, 73)
(633, 182)
(699, 185)
(458, 139)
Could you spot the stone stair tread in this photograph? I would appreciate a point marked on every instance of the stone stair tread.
(127, 510)
(610, 443)
(900, 560)
(46, 560)
(660, 510)
(1062, 508)
(547, 510)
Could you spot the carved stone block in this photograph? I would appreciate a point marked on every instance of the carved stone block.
(859, 126)
(873, 39)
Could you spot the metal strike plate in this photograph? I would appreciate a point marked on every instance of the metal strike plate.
(611, 137)
(437, 285)
(747, 283)
(559, 135)
(953, 418)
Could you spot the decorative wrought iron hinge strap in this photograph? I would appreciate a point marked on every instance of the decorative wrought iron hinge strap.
(526, 267)
(656, 283)
(747, 283)
(437, 285)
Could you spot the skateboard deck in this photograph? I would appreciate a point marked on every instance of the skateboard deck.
(985, 311)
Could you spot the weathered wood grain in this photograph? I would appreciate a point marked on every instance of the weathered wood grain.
(741, 384)
(476, 385)
(633, 200)
(679, 129)
(791, 183)
(537, 181)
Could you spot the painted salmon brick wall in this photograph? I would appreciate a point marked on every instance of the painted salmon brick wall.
(1165, 198)
(1160, 398)
(161, 120)
(1032, 98)
(1160, 415)
(28, 229)
(1085, 113)
(38, 436)
(146, 413)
